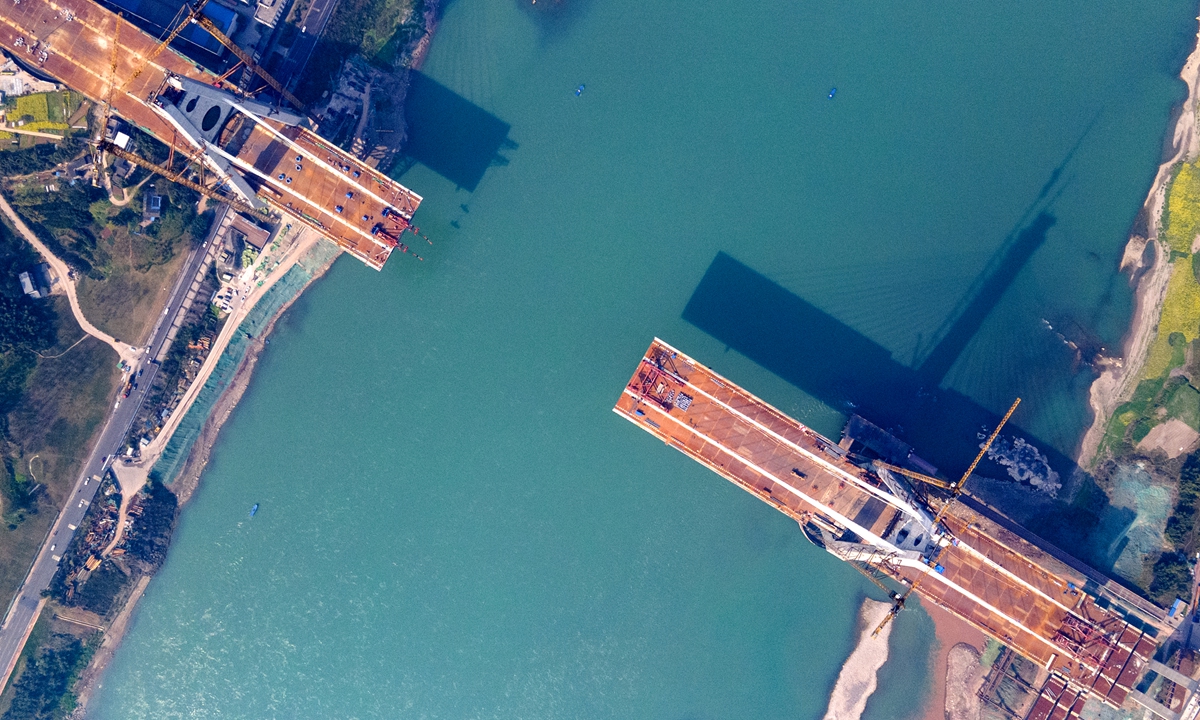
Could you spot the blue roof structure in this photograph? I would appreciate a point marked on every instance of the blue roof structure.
(156, 16)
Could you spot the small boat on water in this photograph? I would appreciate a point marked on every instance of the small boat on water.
(579, 90)
(253, 509)
(832, 93)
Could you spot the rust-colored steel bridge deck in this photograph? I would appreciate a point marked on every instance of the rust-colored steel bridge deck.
(290, 168)
(993, 580)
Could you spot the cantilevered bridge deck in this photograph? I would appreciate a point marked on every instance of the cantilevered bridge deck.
(1039, 611)
(77, 41)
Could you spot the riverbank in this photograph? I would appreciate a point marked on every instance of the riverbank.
(953, 689)
(181, 458)
(187, 477)
(1149, 276)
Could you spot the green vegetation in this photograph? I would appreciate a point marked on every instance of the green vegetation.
(1181, 526)
(26, 327)
(42, 692)
(1171, 574)
(1135, 417)
(1172, 578)
(38, 158)
(81, 224)
(1180, 321)
(61, 220)
(378, 30)
(126, 263)
(1170, 378)
(47, 430)
(101, 589)
(1182, 212)
(48, 112)
(42, 112)
(1183, 403)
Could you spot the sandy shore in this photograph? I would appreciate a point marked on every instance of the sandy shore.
(951, 633)
(857, 680)
(90, 677)
(1118, 379)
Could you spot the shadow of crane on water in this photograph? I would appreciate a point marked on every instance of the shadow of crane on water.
(841, 367)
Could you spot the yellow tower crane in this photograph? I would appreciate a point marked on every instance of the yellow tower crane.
(955, 490)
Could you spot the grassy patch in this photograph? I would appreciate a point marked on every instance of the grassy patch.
(1153, 402)
(126, 304)
(48, 112)
(129, 267)
(1182, 214)
(1139, 429)
(1180, 321)
(1144, 401)
(47, 430)
(1183, 402)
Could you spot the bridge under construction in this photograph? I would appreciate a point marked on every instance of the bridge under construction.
(259, 156)
(1089, 643)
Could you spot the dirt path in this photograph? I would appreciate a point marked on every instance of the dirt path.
(125, 191)
(126, 352)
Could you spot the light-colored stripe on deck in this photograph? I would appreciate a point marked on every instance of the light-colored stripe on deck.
(886, 497)
(811, 501)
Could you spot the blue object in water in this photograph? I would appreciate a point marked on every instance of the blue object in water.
(253, 509)
(579, 90)
(832, 93)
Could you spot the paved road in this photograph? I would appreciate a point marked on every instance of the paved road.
(23, 611)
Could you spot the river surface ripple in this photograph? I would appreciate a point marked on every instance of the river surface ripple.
(453, 524)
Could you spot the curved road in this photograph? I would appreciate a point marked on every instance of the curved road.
(125, 352)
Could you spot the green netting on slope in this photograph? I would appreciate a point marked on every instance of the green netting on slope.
(288, 287)
(1142, 506)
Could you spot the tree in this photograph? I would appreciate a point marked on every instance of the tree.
(39, 692)
(1172, 577)
(25, 324)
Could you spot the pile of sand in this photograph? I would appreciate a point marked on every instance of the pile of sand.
(857, 680)
(962, 675)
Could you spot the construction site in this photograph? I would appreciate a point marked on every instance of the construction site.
(250, 153)
(1086, 638)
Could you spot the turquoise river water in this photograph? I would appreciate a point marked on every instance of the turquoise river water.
(453, 524)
